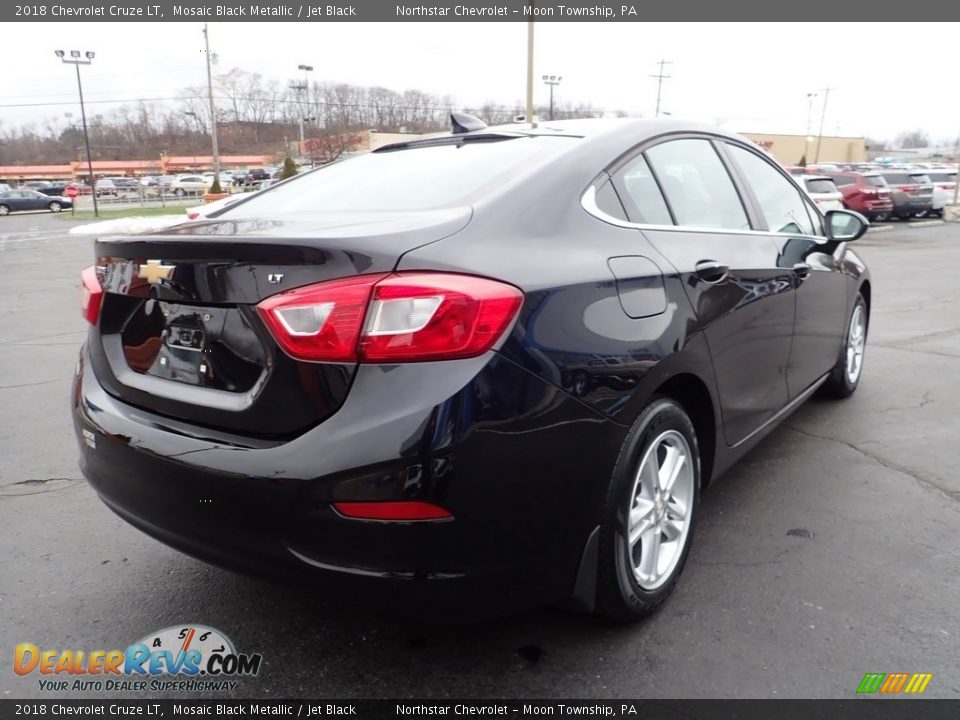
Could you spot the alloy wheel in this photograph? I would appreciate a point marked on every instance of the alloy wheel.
(856, 343)
(660, 511)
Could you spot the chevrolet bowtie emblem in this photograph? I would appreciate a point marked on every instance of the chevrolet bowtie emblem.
(153, 271)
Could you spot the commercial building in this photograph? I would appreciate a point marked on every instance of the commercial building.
(789, 149)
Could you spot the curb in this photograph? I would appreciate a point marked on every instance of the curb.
(925, 223)
(879, 228)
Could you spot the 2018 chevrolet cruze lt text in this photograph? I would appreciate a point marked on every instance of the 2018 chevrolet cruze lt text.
(472, 372)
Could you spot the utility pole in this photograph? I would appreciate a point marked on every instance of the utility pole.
(823, 117)
(530, 119)
(660, 78)
(213, 107)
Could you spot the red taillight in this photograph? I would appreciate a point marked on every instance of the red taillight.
(405, 317)
(393, 511)
(91, 295)
(320, 322)
(432, 316)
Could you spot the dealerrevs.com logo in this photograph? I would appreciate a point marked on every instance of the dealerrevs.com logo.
(187, 658)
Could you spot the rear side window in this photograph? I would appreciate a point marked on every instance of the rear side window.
(416, 178)
(821, 186)
(897, 178)
(842, 180)
(641, 194)
(781, 203)
(608, 202)
(697, 185)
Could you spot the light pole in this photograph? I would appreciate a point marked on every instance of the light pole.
(823, 116)
(529, 117)
(77, 60)
(306, 87)
(806, 147)
(213, 108)
(552, 81)
(299, 88)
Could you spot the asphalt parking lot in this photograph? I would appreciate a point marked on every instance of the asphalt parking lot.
(830, 551)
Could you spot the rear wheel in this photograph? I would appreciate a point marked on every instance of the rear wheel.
(55, 207)
(845, 376)
(178, 192)
(651, 506)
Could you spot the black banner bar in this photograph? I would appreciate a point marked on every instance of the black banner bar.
(854, 709)
(463, 11)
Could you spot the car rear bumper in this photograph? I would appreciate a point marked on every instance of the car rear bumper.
(877, 206)
(909, 205)
(521, 466)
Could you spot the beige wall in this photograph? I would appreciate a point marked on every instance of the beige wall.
(788, 149)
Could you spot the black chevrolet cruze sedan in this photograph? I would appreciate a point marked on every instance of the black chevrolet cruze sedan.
(472, 372)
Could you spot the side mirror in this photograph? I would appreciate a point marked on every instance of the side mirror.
(845, 225)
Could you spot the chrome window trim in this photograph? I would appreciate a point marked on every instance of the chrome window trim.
(588, 201)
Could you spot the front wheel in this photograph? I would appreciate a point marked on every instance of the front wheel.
(4, 210)
(881, 217)
(651, 505)
(55, 207)
(845, 376)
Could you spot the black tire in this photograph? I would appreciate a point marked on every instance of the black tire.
(178, 192)
(55, 207)
(839, 383)
(4, 209)
(619, 596)
(881, 217)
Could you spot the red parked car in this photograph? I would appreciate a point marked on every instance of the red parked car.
(867, 193)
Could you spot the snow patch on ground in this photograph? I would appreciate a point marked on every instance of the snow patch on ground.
(128, 225)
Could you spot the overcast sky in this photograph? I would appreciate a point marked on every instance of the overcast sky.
(744, 76)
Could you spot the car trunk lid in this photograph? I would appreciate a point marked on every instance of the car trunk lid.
(179, 333)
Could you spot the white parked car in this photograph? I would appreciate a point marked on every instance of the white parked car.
(822, 190)
(944, 185)
(190, 184)
(226, 179)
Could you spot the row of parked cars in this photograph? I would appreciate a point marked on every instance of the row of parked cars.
(880, 192)
(179, 185)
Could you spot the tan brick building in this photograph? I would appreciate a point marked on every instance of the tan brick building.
(788, 149)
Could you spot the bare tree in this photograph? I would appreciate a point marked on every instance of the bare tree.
(913, 139)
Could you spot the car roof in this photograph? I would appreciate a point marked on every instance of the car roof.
(602, 139)
(587, 128)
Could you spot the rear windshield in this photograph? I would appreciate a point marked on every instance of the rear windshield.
(920, 179)
(821, 186)
(941, 176)
(407, 179)
(875, 180)
(899, 178)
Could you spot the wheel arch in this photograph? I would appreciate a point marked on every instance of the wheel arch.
(865, 290)
(694, 397)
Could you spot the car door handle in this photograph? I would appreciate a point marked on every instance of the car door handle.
(711, 271)
(802, 269)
